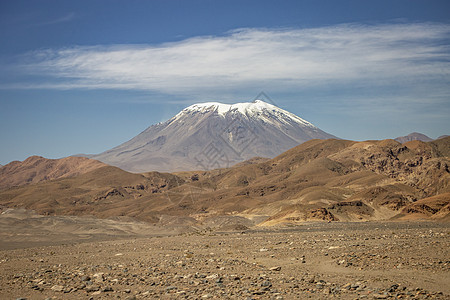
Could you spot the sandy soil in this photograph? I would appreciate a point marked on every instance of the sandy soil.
(370, 260)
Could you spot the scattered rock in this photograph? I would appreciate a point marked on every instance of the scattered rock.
(57, 288)
(91, 289)
(231, 268)
(380, 296)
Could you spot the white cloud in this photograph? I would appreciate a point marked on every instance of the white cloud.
(278, 60)
(66, 18)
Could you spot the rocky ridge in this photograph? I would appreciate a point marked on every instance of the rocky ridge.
(324, 180)
(37, 169)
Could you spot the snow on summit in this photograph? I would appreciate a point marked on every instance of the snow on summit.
(255, 109)
(243, 108)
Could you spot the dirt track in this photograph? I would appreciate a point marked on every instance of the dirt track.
(316, 260)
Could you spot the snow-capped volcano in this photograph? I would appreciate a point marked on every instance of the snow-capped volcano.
(213, 135)
(256, 109)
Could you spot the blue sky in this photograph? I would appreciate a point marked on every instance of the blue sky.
(85, 76)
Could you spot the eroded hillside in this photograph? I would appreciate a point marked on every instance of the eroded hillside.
(328, 180)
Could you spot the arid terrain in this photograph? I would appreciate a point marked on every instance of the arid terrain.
(37, 169)
(327, 180)
(315, 260)
(326, 219)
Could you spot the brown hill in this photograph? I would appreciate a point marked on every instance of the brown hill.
(325, 180)
(436, 207)
(415, 136)
(37, 169)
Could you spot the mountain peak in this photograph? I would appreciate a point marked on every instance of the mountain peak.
(415, 136)
(255, 109)
(213, 135)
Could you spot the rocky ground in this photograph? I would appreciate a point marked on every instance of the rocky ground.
(371, 260)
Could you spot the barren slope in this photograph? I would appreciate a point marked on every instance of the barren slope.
(37, 169)
(327, 180)
(415, 136)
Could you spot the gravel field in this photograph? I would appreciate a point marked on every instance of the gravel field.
(371, 260)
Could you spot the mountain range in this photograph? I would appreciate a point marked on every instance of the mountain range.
(319, 180)
(246, 163)
(212, 135)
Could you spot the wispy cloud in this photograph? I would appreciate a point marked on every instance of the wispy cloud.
(410, 56)
(66, 18)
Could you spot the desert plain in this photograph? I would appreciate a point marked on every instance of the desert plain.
(66, 257)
